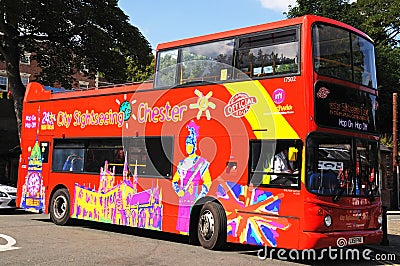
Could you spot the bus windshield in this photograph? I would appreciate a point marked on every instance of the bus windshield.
(341, 54)
(342, 166)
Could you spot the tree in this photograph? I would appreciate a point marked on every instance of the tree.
(139, 73)
(90, 36)
(381, 21)
(340, 10)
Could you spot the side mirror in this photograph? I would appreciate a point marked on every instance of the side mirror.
(292, 154)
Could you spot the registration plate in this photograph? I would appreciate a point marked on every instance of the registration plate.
(355, 240)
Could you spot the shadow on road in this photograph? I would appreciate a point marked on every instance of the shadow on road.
(240, 248)
(14, 212)
(274, 254)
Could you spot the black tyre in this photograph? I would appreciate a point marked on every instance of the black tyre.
(211, 229)
(60, 206)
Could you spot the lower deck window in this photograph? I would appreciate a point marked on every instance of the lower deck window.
(88, 155)
(150, 156)
(68, 160)
(68, 156)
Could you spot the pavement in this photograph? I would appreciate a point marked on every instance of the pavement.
(392, 245)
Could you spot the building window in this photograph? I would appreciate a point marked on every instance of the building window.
(25, 59)
(3, 83)
(83, 84)
(25, 80)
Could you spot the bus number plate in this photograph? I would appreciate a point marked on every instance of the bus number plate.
(355, 240)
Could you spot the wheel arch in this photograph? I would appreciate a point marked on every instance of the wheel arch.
(194, 217)
(59, 186)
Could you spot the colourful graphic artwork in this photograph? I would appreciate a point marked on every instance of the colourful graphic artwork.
(33, 191)
(239, 105)
(192, 179)
(126, 107)
(259, 222)
(119, 204)
(160, 114)
(202, 104)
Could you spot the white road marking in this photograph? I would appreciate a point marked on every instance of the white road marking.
(10, 243)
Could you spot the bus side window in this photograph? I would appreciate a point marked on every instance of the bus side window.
(73, 163)
(92, 164)
(44, 149)
(275, 163)
(102, 150)
(68, 159)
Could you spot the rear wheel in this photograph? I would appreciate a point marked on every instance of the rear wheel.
(211, 229)
(60, 206)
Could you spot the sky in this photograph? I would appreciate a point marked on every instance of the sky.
(169, 20)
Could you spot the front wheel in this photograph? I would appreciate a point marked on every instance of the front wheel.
(59, 207)
(211, 229)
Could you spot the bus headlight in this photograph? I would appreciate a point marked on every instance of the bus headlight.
(328, 220)
(380, 219)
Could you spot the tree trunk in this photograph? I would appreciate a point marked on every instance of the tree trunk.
(14, 78)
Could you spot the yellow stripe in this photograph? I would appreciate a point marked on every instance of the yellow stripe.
(263, 116)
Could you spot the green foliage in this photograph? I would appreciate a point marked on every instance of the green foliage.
(139, 73)
(340, 10)
(380, 20)
(66, 37)
(166, 69)
(76, 35)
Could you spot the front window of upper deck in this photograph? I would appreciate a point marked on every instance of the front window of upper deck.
(166, 68)
(342, 166)
(345, 55)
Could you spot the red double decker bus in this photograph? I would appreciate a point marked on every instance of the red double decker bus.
(264, 135)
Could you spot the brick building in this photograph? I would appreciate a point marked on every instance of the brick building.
(9, 142)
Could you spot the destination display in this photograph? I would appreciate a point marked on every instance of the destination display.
(345, 108)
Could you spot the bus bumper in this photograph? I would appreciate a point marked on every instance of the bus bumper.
(318, 240)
